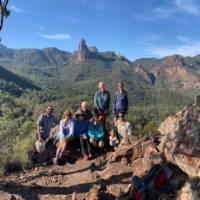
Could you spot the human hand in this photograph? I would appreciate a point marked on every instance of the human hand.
(85, 136)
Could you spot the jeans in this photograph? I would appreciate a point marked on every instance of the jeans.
(85, 146)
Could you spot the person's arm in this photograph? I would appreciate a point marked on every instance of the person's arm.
(129, 131)
(108, 101)
(126, 102)
(101, 133)
(61, 131)
(90, 115)
(95, 100)
(39, 126)
(56, 121)
(85, 129)
(114, 105)
(90, 131)
(71, 130)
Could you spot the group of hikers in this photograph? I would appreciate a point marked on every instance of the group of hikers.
(87, 128)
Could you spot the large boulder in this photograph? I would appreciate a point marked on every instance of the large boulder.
(180, 138)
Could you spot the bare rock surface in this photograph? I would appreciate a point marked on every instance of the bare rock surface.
(180, 138)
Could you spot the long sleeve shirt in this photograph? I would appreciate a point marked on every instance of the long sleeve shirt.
(121, 101)
(67, 128)
(96, 131)
(102, 100)
(80, 127)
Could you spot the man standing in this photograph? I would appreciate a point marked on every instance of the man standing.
(102, 102)
(121, 101)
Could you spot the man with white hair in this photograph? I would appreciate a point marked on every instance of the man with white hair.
(87, 114)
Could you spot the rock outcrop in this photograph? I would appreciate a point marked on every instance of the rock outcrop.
(144, 74)
(191, 190)
(83, 53)
(180, 138)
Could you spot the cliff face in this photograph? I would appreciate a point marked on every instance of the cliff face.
(83, 52)
(145, 75)
(172, 69)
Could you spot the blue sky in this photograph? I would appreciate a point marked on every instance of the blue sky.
(134, 28)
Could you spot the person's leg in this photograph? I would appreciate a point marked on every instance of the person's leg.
(93, 142)
(89, 149)
(83, 150)
(101, 144)
(64, 146)
(59, 146)
(88, 145)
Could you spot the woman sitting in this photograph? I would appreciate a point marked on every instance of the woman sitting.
(96, 132)
(123, 127)
(65, 134)
(80, 133)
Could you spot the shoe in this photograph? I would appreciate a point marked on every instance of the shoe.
(85, 156)
(90, 155)
(55, 160)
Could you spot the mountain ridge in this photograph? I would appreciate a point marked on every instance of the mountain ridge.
(175, 72)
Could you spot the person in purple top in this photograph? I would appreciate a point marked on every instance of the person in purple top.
(80, 133)
(65, 134)
(120, 101)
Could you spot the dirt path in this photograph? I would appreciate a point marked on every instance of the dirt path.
(60, 182)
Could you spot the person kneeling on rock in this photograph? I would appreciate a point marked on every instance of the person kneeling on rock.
(123, 128)
(96, 132)
(65, 135)
(80, 133)
(45, 124)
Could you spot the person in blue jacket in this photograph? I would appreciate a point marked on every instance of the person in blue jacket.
(120, 101)
(80, 133)
(96, 133)
(102, 102)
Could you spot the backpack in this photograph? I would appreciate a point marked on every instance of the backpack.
(149, 187)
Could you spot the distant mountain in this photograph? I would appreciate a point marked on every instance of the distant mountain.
(14, 84)
(82, 69)
(34, 57)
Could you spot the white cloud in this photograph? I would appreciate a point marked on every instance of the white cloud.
(155, 14)
(15, 9)
(60, 36)
(184, 39)
(40, 27)
(188, 6)
(187, 47)
(184, 50)
(164, 12)
(75, 20)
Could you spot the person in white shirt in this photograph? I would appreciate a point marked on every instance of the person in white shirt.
(123, 127)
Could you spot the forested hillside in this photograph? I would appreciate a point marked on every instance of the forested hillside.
(31, 78)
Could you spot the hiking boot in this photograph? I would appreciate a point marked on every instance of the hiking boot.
(85, 156)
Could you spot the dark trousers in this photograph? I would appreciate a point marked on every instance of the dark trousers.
(85, 146)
